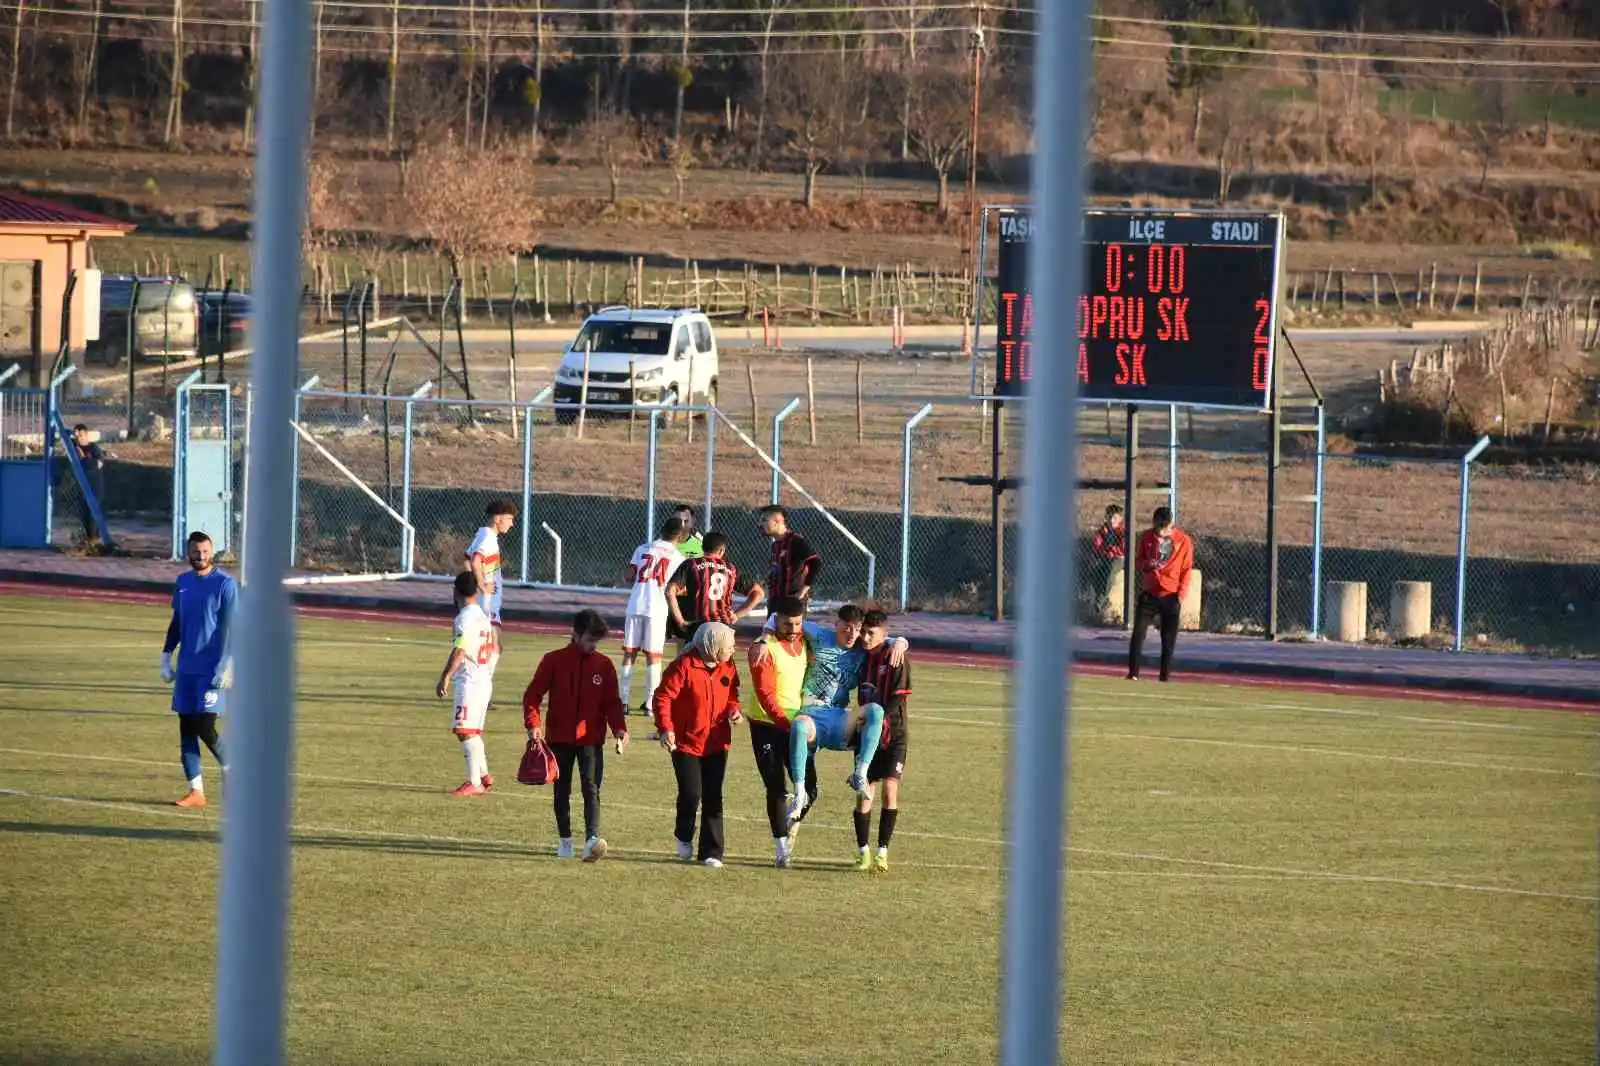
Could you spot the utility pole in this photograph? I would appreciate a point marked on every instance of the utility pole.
(977, 45)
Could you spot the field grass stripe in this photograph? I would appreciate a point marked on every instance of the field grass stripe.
(1344, 754)
(1222, 871)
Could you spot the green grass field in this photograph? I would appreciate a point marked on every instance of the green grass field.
(1256, 876)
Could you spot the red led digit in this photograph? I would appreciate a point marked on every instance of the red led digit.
(1154, 267)
(1175, 269)
(1113, 268)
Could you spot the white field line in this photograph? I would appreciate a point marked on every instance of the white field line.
(1231, 868)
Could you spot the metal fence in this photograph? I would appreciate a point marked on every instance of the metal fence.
(400, 483)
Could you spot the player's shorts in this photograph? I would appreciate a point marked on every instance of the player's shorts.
(889, 761)
(833, 726)
(194, 694)
(471, 707)
(643, 632)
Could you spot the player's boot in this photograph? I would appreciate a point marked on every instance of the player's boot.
(564, 849)
(880, 862)
(863, 860)
(713, 862)
(594, 849)
(797, 809)
(467, 788)
(192, 798)
(488, 782)
(685, 851)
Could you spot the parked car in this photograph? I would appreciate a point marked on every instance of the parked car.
(165, 320)
(641, 356)
(224, 321)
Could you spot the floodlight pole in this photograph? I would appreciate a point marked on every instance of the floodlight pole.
(1036, 813)
(254, 896)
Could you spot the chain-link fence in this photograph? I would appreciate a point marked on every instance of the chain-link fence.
(589, 485)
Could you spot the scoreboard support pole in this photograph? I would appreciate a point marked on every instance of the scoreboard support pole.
(997, 518)
(1274, 463)
(1130, 499)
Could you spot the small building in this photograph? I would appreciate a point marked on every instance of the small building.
(41, 244)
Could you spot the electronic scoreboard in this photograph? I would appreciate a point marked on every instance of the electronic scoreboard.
(1176, 307)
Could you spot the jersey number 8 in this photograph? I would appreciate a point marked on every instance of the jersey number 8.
(717, 587)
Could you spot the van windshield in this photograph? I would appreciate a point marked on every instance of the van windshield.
(625, 338)
(153, 295)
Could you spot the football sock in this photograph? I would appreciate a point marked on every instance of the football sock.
(863, 826)
(197, 784)
(190, 747)
(472, 750)
(871, 733)
(886, 822)
(627, 685)
(652, 679)
(799, 748)
(483, 757)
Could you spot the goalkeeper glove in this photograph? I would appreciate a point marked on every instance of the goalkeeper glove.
(166, 667)
(223, 678)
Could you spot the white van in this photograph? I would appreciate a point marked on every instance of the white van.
(661, 348)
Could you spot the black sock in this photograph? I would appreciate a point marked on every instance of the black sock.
(863, 827)
(886, 822)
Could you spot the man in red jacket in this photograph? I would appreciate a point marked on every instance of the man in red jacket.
(696, 708)
(584, 698)
(1163, 562)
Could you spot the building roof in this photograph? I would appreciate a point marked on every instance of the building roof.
(21, 209)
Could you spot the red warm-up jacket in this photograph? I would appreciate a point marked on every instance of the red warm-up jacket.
(697, 702)
(1170, 578)
(583, 698)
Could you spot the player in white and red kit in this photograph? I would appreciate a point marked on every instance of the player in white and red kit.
(484, 560)
(644, 628)
(468, 679)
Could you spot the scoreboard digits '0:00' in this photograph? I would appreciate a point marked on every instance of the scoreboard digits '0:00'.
(1177, 307)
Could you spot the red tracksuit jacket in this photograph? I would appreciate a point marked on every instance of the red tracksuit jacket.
(697, 702)
(584, 697)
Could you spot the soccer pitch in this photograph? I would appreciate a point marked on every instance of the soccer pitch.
(1256, 876)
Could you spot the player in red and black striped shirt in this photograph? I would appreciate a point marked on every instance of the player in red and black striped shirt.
(887, 684)
(703, 588)
(795, 564)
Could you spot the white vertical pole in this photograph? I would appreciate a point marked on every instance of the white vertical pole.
(1036, 813)
(254, 900)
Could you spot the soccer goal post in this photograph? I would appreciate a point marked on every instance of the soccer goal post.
(342, 526)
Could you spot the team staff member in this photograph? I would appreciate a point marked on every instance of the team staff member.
(1110, 549)
(581, 684)
(779, 678)
(702, 590)
(887, 682)
(1163, 563)
(696, 708)
(795, 564)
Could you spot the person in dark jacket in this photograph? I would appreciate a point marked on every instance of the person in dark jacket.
(94, 468)
(696, 708)
(584, 698)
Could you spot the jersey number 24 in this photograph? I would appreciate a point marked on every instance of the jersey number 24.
(651, 569)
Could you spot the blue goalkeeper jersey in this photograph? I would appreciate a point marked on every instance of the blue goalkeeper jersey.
(835, 671)
(204, 609)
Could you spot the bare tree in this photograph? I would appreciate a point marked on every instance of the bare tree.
(471, 204)
(175, 85)
(16, 68)
(615, 142)
(88, 65)
(683, 76)
(1236, 116)
(681, 157)
(817, 111)
(394, 74)
(908, 17)
(940, 123)
(769, 17)
(252, 61)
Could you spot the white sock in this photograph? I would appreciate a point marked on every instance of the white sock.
(472, 751)
(627, 685)
(196, 784)
(883, 849)
(652, 678)
(483, 757)
(494, 661)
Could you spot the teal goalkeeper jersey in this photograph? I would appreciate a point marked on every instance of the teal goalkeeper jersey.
(835, 671)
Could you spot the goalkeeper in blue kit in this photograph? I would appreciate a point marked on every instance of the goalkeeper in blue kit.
(201, 631)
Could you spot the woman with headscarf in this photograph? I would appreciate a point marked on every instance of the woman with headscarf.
(696, 707)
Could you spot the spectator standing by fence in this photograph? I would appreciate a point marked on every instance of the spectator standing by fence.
(1110, 549)
(1162, 563)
